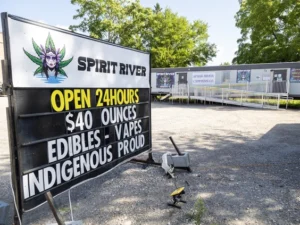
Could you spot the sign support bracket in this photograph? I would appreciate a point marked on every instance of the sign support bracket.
(56, 213)
(148, 161)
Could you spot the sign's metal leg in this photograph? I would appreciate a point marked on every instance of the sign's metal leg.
(148, 161)
(53, 208)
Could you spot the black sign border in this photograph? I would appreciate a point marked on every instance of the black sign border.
(11, 117)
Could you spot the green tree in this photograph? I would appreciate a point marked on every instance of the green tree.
(270, 31)
(225, 64)
(102, 19)
(171, 39)
(157, 8)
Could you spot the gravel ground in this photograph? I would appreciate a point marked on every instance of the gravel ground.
(245, 162)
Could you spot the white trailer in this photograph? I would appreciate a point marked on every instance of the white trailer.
(270, 77)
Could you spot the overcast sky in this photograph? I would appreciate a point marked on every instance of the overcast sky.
(219, 14)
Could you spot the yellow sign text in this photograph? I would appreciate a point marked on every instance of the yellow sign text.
(62, 99)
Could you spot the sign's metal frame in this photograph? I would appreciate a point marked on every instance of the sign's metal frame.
(15, 157)
(7, 88)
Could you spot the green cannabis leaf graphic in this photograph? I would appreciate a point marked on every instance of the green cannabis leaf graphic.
(48, 58)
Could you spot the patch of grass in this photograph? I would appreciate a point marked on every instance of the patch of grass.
(64, 209)
(198, 212)
(293, 104)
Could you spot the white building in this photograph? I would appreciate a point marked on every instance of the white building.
(270, 77)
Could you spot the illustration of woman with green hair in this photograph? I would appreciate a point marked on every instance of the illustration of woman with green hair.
(165, 81)
(49, 59)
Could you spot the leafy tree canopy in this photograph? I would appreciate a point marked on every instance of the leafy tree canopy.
(225, 64)
(270, 31)
(172, 40)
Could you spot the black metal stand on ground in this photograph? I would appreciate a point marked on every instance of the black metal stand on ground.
(148, 161)
(175, 146)
(180, 154)
(54, 210)
(16, 218)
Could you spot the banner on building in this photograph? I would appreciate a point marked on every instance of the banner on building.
(266, 76)
(165, 80)
(243, 76)
(204, 78)
(295, 75)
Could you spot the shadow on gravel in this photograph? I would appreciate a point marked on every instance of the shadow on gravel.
(256, 180)
(111, 198)
(242, 180)
(5, 188)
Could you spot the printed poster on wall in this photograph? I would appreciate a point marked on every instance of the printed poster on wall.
(165, 80)
(295, 75)
(81, 107)
(204, 78)
(243, 76)
(266, 76)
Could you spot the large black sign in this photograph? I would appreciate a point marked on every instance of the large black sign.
(62, 135)
(64, 140)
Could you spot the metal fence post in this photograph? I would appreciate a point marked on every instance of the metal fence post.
(222, 96)
(241, 97)
(287, 101)
(172, 93)
(188, 94)
(204, 95)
